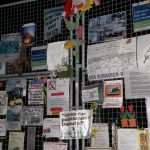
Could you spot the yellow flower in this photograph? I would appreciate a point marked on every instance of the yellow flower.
(69, 44)
(87, 6)
(94, 132)
(94, 106)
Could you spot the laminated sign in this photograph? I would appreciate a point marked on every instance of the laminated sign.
(76, 124)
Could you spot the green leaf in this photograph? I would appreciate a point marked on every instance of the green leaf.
(70, 25)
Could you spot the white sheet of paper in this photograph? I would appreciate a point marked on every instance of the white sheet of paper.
(3, 102)
(137, 85)
(104, 65)
(16, 140)
(1, 144)
(143, 53)
(2, 127)
(57, 96)
(51, 127)
(113, 94)
(127, 139)
(90, 93)
(55, 146)
(102, 137)
(55, 52)
(148, 110)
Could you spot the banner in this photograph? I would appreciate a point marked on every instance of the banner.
(57, 96)
(35, 92)
(141, 16)
(52, 22)
(76, 124)
(113, 94)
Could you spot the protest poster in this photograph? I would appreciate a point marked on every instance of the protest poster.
(16, 88)
(55, 54)
(103, 65)
(102, 137)
(35, 92)
(3, 102)
(31, 138)
(127, 139)
(141, 16)
(55, 146)
(28, 34)
(76, 124)
(51, 127)
(57, 96)
(52, 22)
(92, 93)
(2, 127)
(13, 117)
(107, 28)
(9, 47)
(32, 115)
(38, 58)
(16, 141)
(113, 94)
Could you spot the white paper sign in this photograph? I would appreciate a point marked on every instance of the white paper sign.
(55, 53)
(113, 94)
(143, 53)
(110, 59)
(1, 145)
(52, 22)
(55, 146)
(16, 140)
(35, 92)
(2, 127)
(102, 137)
(3, 102)
(76, 124)
(148, 110)
(127, 139)
(51, 127)
(57, 96)
(90, 93)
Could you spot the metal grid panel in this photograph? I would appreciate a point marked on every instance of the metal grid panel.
(111, 115)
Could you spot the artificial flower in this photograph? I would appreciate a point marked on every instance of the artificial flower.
(68, 9)
(94, 132)
(130, 108)
(80, 32)
(87, 6)
(122, 109)
(69, 44)
(97, 2)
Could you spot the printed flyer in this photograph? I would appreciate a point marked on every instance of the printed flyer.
(52, 22)
(9, 47)
(2, 127)
(38, 58)
(35, 92)
(107, 28)
(76, 124)
(28, 34)
(16, 88)
(113, 94)
(51, 127)
(141, 16)
(55, 146)
(13, 117)
(57, 96)
(32, 115)
(3, 102)
(16, 141)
